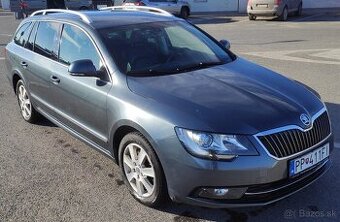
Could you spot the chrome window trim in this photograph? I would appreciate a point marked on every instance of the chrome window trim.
(290, 127)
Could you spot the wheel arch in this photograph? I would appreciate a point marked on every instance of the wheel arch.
(122, 128)
(15, 77)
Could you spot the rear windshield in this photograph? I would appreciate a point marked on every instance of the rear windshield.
(160, 48)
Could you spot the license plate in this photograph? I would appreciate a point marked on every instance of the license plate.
(308, 160)
(262, 5)
(101, 6)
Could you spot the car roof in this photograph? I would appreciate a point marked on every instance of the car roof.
(103, 19)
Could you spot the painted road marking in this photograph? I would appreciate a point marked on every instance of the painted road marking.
(307, 17)
(288, 55)
(2, 58)
(5, 34)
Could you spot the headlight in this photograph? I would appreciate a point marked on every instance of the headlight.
(215, 146)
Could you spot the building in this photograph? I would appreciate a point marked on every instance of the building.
(220, 5)
(241, 5)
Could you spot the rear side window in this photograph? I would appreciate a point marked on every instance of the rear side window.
(46, 39)
(76, 45)
(22, 34)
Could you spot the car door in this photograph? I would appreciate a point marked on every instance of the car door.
(162, 4)
(40, 61)
(72, 4)
(19, 54)
(292, 5)
(34, 5)
(81, 101)
(173, 6)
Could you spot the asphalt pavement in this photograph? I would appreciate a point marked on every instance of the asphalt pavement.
(47, 175)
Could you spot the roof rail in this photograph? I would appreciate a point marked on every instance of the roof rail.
(47, 11)
(138, 8)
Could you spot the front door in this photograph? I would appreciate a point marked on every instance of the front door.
(81, 101)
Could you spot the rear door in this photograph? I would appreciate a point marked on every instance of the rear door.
(18, 54)
(40, 62)
(81, 101)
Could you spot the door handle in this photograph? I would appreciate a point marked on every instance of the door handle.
(55, 79)
(24, 64)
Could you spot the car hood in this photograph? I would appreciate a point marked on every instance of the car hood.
(237, 98)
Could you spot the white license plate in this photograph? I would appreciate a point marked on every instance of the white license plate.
(262, 6)
(308, 160)
(101, 6)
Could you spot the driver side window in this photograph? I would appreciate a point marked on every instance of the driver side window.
(76, 45)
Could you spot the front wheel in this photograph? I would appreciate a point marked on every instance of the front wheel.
(251, 17)
(141, 169)
(26, 108)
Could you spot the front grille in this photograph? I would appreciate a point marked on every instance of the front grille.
(293, 141)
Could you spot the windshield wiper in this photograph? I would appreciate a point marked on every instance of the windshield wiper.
(148, 72)
(201, 65)
(187, 68)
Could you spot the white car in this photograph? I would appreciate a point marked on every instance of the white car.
(176, 7)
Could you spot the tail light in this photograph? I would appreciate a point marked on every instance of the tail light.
(277, 2)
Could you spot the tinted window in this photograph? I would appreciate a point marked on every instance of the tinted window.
(30, 42)
(22, 34)
(46, 39)
(76, 45)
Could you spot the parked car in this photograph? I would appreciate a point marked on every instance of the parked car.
(177, 7)
(279, 8)
(180, 113)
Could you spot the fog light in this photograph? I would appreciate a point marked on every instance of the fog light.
(221, 193)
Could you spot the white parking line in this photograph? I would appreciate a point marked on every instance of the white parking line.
(289, 55)
(5, 34)
(307, 17)
(337, 145)
(2, 58)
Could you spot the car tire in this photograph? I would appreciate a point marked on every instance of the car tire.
(251, 17)
(184, 13)
(284, 15)
(143, 174)
(299, 11)
(27, 110)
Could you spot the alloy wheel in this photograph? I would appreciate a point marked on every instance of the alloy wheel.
(24, 102)
(139, 170)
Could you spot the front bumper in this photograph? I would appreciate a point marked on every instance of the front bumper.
(253, 180)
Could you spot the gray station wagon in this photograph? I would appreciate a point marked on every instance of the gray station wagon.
(182, 115)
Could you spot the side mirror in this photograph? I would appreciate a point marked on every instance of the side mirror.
(83, 67)
(225, 44)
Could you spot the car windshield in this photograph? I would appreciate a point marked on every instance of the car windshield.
(161, 48)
